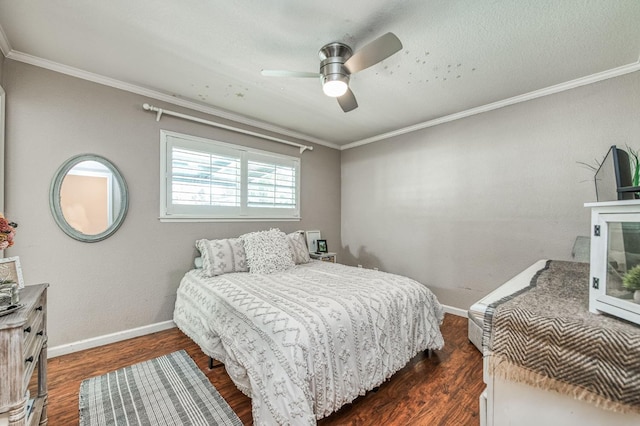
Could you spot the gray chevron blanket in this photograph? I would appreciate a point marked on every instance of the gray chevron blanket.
(544, 336)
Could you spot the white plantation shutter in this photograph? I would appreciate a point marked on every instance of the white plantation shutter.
(271, 185)
(200, 178)
(204, 179)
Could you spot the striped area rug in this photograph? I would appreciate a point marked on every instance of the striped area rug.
(169, 390)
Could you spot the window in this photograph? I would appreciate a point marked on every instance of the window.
(202, 179)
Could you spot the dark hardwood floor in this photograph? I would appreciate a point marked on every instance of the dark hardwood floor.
(440, 390)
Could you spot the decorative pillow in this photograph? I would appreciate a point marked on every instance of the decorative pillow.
(298, 246)
(267, 251)
(222, 256)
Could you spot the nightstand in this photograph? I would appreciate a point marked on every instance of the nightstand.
(327, 257)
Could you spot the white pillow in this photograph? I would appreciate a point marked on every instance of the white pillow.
(267, 251)
(298, 246)
(222, 256)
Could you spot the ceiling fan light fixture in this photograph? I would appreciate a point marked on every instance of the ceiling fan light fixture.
(338, 62)
(335, 85)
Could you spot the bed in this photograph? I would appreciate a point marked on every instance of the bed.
(303, 341)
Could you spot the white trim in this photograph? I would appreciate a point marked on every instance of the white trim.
(594, 78)
(455, 311)
(119, 336)
(96, 78)
(244, 156)
(117, 84)
(196, 219)
(3, 113)
(5, 47)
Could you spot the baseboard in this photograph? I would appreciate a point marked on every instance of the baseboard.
(108, 338)
(455, 311)
(94, 342)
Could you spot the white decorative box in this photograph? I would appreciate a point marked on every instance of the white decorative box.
(615, 259)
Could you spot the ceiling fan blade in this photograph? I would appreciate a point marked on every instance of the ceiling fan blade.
(376, 51)
(348, 101)
(283, 73)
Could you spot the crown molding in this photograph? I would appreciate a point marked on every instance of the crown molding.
(551, 90)
(5, 47)
(117, 84)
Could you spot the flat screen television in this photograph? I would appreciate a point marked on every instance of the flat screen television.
(613, 177)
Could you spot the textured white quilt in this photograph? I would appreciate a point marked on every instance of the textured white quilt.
(304, 342)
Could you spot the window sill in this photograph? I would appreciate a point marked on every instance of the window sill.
(229, 219)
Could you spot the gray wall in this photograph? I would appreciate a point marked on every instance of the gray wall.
(130, 279)
(464, 206)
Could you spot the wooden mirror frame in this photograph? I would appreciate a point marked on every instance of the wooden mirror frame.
(56, 208)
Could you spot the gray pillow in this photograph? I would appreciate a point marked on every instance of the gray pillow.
(222, 256)
(298, 246)
(267, 251)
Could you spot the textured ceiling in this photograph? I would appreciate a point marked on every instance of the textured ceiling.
(458, 54)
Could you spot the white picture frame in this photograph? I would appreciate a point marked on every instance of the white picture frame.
(312, 237)
(10, 271)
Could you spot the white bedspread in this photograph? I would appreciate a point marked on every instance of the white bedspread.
(305, 342)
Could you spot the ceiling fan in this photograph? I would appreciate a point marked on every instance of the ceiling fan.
(338, 62)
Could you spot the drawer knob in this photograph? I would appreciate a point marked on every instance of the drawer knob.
(39, 308)
(30, 359)
(27, 330)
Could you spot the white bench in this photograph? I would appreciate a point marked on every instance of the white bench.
(505, 403)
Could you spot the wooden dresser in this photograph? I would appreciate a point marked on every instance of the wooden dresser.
(23, 356)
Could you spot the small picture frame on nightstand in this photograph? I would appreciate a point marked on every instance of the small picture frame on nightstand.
(312, 238)
(322, 246)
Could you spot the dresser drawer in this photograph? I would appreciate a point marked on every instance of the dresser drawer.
(34, 335)
(34, 326)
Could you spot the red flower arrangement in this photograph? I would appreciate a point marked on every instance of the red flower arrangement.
(7, 232)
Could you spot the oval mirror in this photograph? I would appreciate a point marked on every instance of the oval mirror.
(88, 198)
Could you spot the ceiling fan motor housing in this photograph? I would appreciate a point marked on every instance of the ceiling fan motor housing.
(333, 56)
